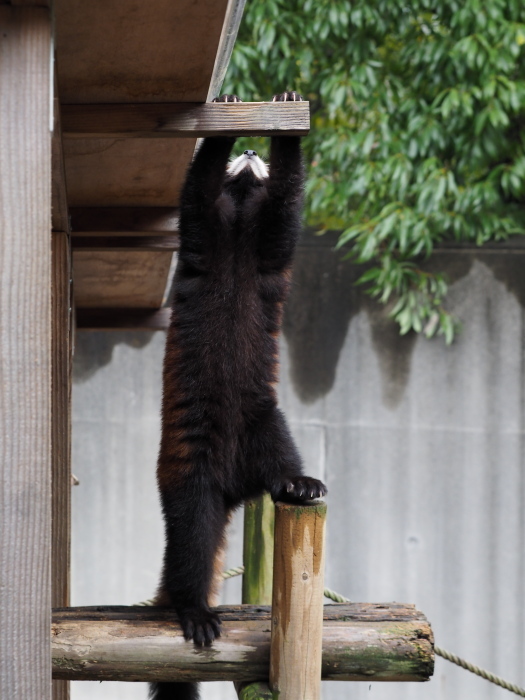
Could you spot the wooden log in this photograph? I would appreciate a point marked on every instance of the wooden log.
(297, 602)
(25, 357)
(185, 119)
(123, 319)
(126, 221)
(371, 641)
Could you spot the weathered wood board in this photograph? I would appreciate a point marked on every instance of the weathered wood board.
(185, 120)
(389, 642)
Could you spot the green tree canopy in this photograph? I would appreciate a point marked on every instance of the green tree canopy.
(417, 128)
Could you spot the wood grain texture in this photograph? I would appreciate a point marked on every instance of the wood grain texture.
(25, 358)
(120, 279)
(158, 244)
(185, 120)
(126, 173)
(123, 319)
(61, 430)
(155, 51)
(126, 221)
(297, 603)
(59, 207)
(388, 642)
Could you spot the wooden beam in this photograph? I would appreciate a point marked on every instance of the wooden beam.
(185, 119)
(59, 208)
(297, 601)
(25, 352)
(361, 642)
(125, 221)
(123, 319)
(160, 244)
(61, 430)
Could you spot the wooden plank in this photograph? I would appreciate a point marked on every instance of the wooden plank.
(146, 644)
(185, 120)
(120, 279)
(25, 357)
(126, 221)
(123, 319)
(59, 208)
(61, 430)
(155, 51)
(159, 244)
(297, 601)
(126, 173)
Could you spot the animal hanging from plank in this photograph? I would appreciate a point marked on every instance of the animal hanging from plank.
(224, 440)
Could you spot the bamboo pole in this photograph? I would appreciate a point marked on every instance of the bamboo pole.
(259, 518)
(361, 642)
(297, 605)
(259, 521)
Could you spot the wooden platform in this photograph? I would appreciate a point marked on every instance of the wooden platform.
(134, 82)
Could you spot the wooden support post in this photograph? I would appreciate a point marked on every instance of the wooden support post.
(25, 352)
(61, 430)
(361, 642)
(259, 519)
(297, 607)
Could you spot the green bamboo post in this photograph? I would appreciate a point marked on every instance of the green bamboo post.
(259, 518)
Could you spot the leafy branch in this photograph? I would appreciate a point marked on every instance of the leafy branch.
(417, 129)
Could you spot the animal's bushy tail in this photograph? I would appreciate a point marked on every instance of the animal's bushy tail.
(174, 691)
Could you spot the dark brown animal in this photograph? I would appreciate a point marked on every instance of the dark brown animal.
(224, 439)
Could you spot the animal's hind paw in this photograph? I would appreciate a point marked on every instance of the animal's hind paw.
(200, 624)
(300, 489)
(227, 98)
(288, 97)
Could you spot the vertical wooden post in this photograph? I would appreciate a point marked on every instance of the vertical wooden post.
(259, 516)
(61, 432)
(25, 352)
(297, 606)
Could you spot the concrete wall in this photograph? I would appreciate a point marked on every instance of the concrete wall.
(421, 447)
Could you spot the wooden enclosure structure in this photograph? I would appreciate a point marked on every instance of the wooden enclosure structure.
(101, 104)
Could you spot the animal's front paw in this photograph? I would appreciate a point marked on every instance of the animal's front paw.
(200, 624)
(301, 488)
(227, 98)
(288, 97)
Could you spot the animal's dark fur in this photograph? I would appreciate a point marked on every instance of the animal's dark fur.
(223, 438)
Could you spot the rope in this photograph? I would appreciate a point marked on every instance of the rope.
(328, 593)
(230, 573)
(487, 675)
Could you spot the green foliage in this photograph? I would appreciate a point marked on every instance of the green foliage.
(417, 128)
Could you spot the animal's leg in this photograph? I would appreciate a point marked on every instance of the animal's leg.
(276, 459)
(195, 518)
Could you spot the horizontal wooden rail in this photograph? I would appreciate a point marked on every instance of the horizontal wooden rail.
(372, 642)
(185, 119)
(125, 221)
(159, 244)
(115, 319)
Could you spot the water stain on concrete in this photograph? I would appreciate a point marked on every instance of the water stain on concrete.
(322, 303)
(94, 349)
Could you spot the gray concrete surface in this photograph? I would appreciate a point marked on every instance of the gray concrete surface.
(421, 447)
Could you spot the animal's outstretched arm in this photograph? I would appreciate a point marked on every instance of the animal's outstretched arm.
(281, 212)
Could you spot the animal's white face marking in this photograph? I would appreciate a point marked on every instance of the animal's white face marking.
(258, 166)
